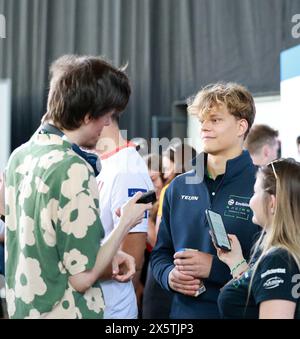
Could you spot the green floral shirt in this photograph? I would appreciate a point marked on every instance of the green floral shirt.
(53, 231)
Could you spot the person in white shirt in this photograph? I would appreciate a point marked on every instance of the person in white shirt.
(123, 173)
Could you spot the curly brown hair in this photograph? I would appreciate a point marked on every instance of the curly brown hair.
(83, 85)
(237, 99)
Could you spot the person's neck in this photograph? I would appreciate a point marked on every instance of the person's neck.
(110, 141)
(72, 136)
(259, 159)
(216, 163)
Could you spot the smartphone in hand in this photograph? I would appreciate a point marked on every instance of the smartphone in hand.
(218, 230)
(147, 197)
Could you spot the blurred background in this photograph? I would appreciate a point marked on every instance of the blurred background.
(172, 47)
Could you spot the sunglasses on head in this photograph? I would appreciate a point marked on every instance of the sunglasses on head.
(272, 163)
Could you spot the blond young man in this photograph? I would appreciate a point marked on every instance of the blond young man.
(226, 178)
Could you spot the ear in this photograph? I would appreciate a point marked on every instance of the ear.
(243, 127)
(266, 151)
(272, 204)
(87, 119)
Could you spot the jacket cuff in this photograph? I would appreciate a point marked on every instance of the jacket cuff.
(165, 278)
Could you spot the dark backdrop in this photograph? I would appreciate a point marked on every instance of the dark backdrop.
(174, 47)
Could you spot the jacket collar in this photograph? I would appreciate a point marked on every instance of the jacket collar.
(233, 166)
(238, 164)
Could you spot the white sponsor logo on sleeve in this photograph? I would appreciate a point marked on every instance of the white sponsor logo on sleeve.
(273, 283)
(273, 271)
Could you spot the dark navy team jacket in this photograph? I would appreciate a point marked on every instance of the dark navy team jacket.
(184, 225)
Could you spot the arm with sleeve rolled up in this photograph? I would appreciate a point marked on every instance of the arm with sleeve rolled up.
(131, 215)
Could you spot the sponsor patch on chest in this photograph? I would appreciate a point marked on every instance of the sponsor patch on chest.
(238, 207)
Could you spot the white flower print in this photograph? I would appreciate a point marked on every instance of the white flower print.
(25, 189)
(76, 219)
(72, 153)
(26, 169)
(41, 187)
(94, 299)
(46, 139)
(11, 302)
(93, 188)
(78, 313)
(61, 268)
(29, 282)
(49, 215)
(75, 262)
(28, 163)
(11, 217)
(66, 308)
(71, 188)
(34, 314)
(51, 158)
(26, 235)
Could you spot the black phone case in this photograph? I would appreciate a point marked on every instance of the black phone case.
(214, 235)
(147, 198)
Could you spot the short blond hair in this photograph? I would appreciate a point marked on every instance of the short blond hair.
(237, 99)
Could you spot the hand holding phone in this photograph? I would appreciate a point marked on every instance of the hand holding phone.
(218, 230)
(147, 197)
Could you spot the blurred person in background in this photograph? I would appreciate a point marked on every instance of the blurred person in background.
(177, 159)
(154, 165)
(263, 144)
(155, 169)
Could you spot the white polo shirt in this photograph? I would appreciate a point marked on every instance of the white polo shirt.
(123, 173)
